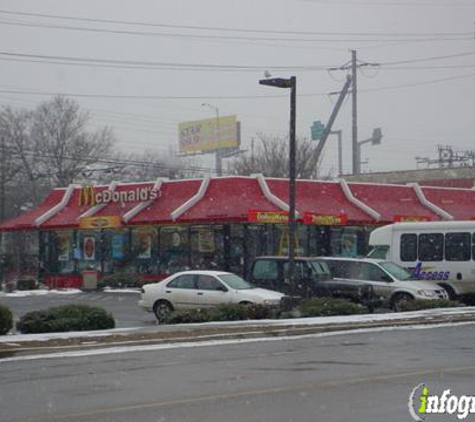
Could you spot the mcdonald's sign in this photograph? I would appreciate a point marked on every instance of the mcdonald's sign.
(87, 196)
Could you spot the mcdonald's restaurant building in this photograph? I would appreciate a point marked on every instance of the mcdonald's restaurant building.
(161, 227)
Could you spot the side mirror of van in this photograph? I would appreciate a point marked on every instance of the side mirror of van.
(386, 278)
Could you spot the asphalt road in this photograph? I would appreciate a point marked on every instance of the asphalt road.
(352, 377)
(122, 305)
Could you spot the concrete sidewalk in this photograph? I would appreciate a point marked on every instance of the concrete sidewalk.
(27, 344)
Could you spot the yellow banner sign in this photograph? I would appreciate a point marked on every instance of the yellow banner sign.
(208, 134)
(103, 222)
(269, 217)
(324, 220)
(410, 218)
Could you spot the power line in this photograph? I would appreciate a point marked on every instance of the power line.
(230, 97)
(149, 97)
(224, 37)
(429, 82)
(152, 64)
(427, 59)
(238, 30)
(123, 162)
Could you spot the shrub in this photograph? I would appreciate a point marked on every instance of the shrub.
(6, 320)
(66, 318)
(26, 284)
(417, 305)
(222, 313)
(121, 280)
(328, 306)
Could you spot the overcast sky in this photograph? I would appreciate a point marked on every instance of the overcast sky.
(417, 100)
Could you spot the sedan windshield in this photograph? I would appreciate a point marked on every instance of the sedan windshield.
(396, 271)
(236, 282)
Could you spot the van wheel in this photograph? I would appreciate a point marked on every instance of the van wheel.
(399, 299)
(162, 310)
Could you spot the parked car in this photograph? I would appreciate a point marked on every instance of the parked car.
(312, 279)
(390, 282)
(199, 289)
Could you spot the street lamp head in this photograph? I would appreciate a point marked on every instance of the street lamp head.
(279, 82)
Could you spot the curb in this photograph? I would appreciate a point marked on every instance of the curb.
(24, 345)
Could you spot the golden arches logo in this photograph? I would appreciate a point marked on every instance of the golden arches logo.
(87, 196)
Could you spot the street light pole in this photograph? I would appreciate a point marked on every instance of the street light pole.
(292, 84)
(340, 150)
(375, 140)
(292, 225)
(219, 162)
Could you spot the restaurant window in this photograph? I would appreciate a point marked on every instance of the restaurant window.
(207, 247)
(144, 248)
(347, 241)
(282, 240)
(236, 248)
(318, 240)
(255, 241)
(88, 250)
(116, 250)
(62, 252)
(174, 251)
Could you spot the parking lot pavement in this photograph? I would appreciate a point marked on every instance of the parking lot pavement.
(123, 306)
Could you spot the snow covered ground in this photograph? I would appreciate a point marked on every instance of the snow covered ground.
(65, 291)
(40, 292)
(391, 318)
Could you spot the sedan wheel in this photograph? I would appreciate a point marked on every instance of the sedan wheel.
(162, 311)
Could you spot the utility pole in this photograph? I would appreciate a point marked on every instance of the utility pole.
(354, 115)
(328, 127)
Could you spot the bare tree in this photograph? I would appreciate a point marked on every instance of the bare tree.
(153, 164)
(65, 146)
(18, 172)
(271, 158)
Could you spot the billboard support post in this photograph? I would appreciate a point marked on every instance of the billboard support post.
(219, 162)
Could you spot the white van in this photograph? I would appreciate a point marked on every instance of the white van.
(441, 251)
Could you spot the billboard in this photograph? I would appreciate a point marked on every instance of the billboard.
(208, 135)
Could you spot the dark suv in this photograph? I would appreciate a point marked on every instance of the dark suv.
(312, 279)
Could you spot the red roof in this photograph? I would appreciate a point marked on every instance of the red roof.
(325, 198)
(228, 199)
(69, 215)
(172, 195)
(27, 219)
(460, 203)
(391, 201)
